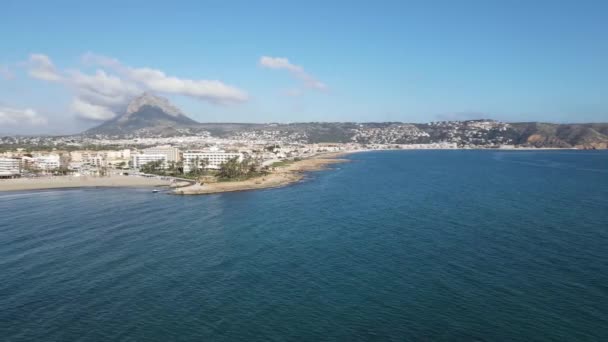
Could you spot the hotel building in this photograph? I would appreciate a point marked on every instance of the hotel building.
(172, 153)
(140, 160)
(214, 158)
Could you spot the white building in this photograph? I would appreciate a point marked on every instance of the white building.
(47, 163)
(214, 158)
(140, 160)
(101, 158)
(172, 153)
(10, 167)
(97, 160)
(121, 155)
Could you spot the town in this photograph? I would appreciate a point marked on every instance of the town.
(23, 162)
(185, 152)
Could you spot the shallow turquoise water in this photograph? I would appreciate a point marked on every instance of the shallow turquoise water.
(409, 245)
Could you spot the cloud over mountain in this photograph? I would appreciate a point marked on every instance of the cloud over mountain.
(103, 94)
(91, 111)
(208, 90)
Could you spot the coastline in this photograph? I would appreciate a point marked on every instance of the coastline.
(67, 182)
(281, 176)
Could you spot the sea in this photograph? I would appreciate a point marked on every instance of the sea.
(462, 245)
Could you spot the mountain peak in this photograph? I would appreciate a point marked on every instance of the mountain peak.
(149, 99)
(146, 114)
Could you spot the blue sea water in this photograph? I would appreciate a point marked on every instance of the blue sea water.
(393, 246)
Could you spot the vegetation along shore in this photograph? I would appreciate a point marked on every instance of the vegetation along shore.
(280, 174)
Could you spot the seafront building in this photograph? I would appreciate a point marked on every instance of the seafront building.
(101, 158)
(165, 154)
(214, 158)
(10, 167)
(140, 160)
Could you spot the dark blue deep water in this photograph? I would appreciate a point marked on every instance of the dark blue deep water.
(394, 246)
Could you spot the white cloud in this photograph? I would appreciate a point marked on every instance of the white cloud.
(13, 117)
(91, 111)
(103, 88)
(279, 63)
(41, 67)
(296, 70)
(209, 90)
(106, 93)
(213, 91)
(90, 58)
(99, 96)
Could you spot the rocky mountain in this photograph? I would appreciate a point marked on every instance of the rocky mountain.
(147, 114)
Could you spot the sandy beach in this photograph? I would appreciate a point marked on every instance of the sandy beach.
(281, 176)
(79, 182)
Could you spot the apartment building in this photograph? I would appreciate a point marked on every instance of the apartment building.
(10, 167)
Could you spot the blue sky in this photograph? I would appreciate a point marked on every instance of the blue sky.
(412, 61)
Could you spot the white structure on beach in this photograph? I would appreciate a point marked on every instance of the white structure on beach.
(140, 160)
(10, 167)
(214, 158)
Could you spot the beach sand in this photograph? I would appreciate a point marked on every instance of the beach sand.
(281, 176)
(59, 182)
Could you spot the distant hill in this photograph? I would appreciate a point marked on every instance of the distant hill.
(593, 135)
(153, 116)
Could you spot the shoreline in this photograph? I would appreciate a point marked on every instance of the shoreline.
(281, 176)
(69, 182)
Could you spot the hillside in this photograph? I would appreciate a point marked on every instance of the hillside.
(153, 116)
(561, 135)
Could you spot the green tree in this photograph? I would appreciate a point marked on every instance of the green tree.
(153, 167)
(230, 169)
(179, 167)
(198, 166)
(233, 169)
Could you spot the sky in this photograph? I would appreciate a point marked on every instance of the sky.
(68, 65)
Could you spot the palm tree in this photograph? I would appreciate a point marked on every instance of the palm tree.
(179, 167)
(197, 163)
(204, 163)
(171, 166)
